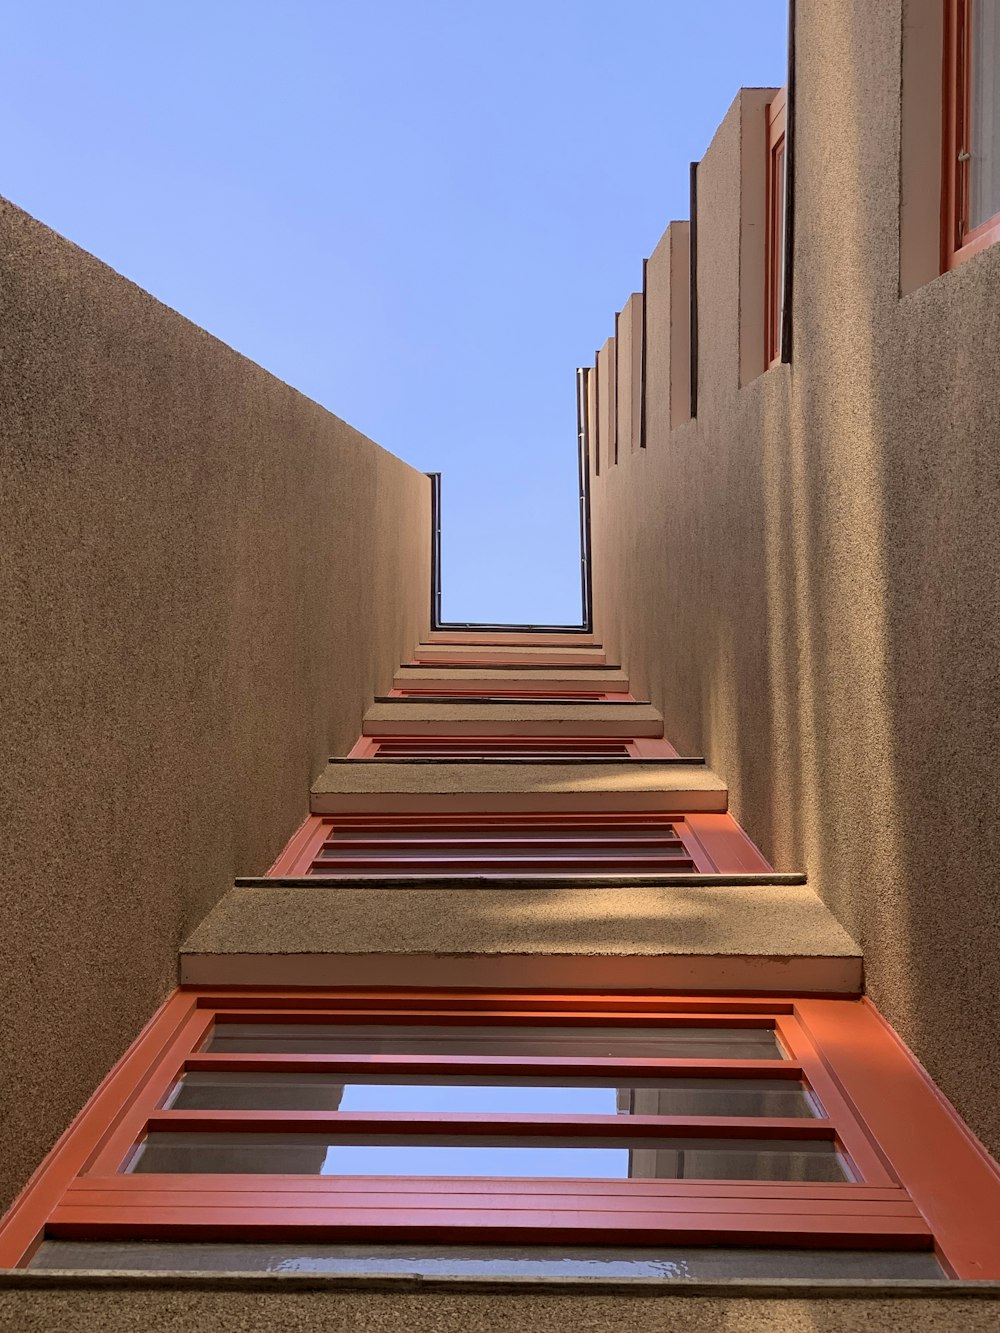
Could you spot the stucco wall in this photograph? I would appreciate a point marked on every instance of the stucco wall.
(806, 580)
(205, 577)
(299, 1305)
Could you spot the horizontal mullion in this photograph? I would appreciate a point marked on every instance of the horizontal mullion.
(639, 838)
(407, 1123)
(650, 1188)
(473, 1018)
(484, 1003)
(408, 840)
(486, 819)
(580, 861)
(494, 1066)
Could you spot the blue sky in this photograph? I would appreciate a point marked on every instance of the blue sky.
(422, 214)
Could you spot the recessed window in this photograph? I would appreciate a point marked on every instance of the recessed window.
(293, 1121)
(775, 234)
(971, 175)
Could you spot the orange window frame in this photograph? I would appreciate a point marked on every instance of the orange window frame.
(922, 1181)
(958, 241)
(774, 240)
(713, 843)
(536, 749)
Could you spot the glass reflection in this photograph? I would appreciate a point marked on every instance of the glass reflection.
(482, 1094)
(984, 108)
(671, 1041)
(467, 1155)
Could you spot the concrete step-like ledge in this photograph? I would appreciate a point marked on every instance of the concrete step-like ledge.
(554, 679)
(445, 698)
(380, 786)
(429, 718)
(485, 655)
(540, 881)
(725, 937)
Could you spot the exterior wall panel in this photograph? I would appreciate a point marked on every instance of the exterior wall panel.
(206, 577)
(806, 582)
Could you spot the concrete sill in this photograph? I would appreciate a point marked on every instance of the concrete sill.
(439, 881)
(765, 1289)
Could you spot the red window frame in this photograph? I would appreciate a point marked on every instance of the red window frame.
(537, 749)
(923, 1181)
(450, 692)
(958, 241)
(712, 843)
(775, 113)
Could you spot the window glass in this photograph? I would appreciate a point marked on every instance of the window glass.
(545, 1157)
(984, 113)
(667, 1042)
(490, 1095)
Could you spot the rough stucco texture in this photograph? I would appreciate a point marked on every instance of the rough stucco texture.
(760, 919)
(187, 1310)
(806, 580)
(205, 575)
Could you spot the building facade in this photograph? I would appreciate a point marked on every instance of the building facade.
(637, 976)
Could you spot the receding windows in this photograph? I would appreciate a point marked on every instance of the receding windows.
(775, 230)
(971, 166)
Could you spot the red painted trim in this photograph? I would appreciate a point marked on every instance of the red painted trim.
(451, 689)
(949, 1175)
(21, 1228)
(425, 745)
(714, 843)
(890, 1120)
(726, 845)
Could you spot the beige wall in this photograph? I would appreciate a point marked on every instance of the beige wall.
(296, 1303)
(205, 578)
(806, 580)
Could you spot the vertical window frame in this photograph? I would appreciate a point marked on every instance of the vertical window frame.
(776, 114)
(958, 241)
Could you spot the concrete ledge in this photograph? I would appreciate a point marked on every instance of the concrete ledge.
(64, 1279)
(764, 937)
(488, 655)
(540, 881)
(445, 698)
(430, 718)
(379, 786)
(540, 678)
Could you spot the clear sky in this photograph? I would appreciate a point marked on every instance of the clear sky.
(421, 213)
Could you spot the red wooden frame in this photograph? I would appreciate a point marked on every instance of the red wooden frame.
(450, 691)
(958, 241)
(774, 228)
(923, 1177)
(498, 747)
(522, 845)
(923, 1180)
(526, 657)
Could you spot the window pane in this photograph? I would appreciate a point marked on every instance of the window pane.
(564, 1158)
(490, 1095)
(667, 1042)
(984, 168)
(674, 1264)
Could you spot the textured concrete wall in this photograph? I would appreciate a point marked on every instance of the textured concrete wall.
(272, 1305)
(806, 580)
(205, 579)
